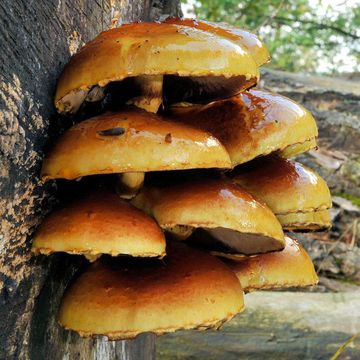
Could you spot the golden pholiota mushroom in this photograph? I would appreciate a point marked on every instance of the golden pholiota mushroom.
(131, 141)
(298, 196)
(291, 267)
(100, 224)
(218, 214)
(189, 289)
(151, 63)
(253, 124)
(241, 37)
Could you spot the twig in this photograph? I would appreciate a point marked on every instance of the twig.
(344, 346)
(354, 233)
(271, 17)
(333, 246)
(284, 20)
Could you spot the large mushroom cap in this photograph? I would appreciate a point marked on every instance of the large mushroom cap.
(131, 141)
(298, 196)
(291, 267)
(241, 37)
(153, 49)
(235, 221)
(188, 290)
(253, 124)
(100, 224)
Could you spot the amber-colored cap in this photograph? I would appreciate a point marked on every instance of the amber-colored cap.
(132, 140)
(189, 289)
(241, 37)
(225, 211)
(291, 267)
(153, 49)
(297, 195)
(100, 224)
(253, 124)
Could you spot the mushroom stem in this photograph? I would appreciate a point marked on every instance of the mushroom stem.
(129, 184)
(151, 89)
(180, 232)
(72, 101)
(92, 258)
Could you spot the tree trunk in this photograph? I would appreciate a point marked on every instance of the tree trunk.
(37, 39)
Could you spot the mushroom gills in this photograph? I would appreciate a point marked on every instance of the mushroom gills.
(203, 89)
(230, 241)
(129, 184)
(97, 93)
(151, 92)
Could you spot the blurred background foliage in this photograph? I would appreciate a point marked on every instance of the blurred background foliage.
(320, 36)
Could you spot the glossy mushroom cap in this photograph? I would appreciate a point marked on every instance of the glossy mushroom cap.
(254, 123)
(131, 141)
(291, 267)
(231, 218)
(297, 195)
(153, 49)
(189, 289)
(100, 224)
(241, 37)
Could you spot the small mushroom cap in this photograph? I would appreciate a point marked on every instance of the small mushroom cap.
(100, 224)
(189, 289)
(226, 211)
(241, 37)
(291, 267)
(152, 49)
(131, 141)
(253, 123)
(297, 195)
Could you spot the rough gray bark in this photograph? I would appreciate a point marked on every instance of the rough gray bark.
(37, 38)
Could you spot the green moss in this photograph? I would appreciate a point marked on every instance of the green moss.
(354, 199)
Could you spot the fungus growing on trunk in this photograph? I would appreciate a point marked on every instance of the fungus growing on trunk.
(100, 224)
(158, 62)
(253, 123)
(131, 141)
(189, 289)
(297, 195)
(221, 215)
(241, 37)
(291, 267)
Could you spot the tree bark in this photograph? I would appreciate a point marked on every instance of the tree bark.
(37, 39)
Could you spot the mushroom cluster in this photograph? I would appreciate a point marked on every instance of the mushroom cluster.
(201, 189)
